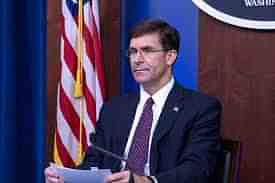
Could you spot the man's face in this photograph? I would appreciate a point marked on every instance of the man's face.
(151, 65)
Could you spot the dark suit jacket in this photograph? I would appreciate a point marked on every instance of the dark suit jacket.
(185, 144)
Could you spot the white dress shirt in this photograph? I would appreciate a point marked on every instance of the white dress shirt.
(159, 100)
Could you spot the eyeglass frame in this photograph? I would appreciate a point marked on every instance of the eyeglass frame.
(144, 51)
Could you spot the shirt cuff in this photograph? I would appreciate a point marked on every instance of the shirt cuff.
(153, 179)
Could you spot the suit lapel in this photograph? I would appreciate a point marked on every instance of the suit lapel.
(127, 119)
(169, 114)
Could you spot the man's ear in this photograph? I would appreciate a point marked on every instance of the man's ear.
(171, 57)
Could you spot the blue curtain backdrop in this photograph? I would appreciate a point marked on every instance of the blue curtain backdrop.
(181, 14)
(22, 90)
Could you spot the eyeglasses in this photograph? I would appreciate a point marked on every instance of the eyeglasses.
(146, 52)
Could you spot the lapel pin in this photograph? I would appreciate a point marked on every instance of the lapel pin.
(176, 109)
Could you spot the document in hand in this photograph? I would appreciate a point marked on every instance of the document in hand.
(82, 176)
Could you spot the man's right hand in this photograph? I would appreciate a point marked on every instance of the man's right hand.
(51, 176)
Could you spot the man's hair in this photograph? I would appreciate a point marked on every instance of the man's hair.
(169, 36)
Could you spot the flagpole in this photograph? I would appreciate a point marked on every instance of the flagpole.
(78, 93)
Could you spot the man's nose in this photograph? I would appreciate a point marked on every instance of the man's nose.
(139, 56)
(140, 53)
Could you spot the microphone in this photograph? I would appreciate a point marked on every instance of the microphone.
(104, 151)
(108, 153)
(111, 154)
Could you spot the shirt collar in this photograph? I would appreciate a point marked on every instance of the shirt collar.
(160, 96)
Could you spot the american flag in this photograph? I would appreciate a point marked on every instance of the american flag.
(76, 117)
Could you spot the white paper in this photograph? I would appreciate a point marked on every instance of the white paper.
(82, 176)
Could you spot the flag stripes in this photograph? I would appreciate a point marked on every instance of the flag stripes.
(75, 113)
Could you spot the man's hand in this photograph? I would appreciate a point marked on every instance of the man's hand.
(51, 176)
(124, 177)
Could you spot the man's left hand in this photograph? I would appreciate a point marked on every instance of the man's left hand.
(124, 177)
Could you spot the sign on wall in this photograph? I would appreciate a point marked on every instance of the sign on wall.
(255, 14)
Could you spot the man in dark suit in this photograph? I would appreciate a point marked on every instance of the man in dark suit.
(183, 140)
